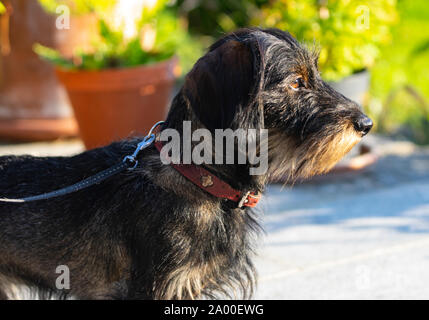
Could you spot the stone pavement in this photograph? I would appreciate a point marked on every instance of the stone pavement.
(351, 236)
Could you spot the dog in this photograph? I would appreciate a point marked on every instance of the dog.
(151, 233)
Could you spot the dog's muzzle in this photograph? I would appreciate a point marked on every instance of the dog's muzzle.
(363, 125)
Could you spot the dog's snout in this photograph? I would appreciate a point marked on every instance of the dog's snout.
(363, 125)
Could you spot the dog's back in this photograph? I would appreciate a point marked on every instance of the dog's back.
(82, 229)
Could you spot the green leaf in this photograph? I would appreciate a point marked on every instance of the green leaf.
(52, 56)
(110, 37)
(421, 48)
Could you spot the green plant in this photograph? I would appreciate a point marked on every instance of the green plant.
(349, 33)
(399, 95)
(114, 48)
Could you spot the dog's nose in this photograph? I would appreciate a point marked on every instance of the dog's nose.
(363, 125)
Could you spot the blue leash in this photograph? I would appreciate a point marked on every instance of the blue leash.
(129, 162)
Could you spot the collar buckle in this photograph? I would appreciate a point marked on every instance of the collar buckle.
(249, 199)
(244, 199)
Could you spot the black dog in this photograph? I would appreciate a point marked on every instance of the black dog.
(151, 233)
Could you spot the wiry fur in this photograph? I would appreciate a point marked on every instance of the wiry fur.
(150, 233)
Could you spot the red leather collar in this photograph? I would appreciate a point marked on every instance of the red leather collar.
(210, 183)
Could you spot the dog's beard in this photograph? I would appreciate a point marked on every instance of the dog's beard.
(290, 160)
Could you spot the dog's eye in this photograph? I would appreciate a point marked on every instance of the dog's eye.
(298, 83)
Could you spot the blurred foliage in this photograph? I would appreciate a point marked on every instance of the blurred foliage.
(395, 47)
(216, 17)
(114, 49)
(349, 33)
(400, 79)
(335, 25)
(2, 8)
(78, 7)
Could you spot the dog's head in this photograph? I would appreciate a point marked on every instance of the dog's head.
(257, 78)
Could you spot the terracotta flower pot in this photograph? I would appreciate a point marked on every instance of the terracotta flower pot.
(113, 104)
(33, 105)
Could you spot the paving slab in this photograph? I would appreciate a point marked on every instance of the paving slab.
(353, 236)
(43, 149)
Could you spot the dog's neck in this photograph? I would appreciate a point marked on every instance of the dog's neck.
(236, 175)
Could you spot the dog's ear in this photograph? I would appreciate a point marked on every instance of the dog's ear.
(223, 83)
